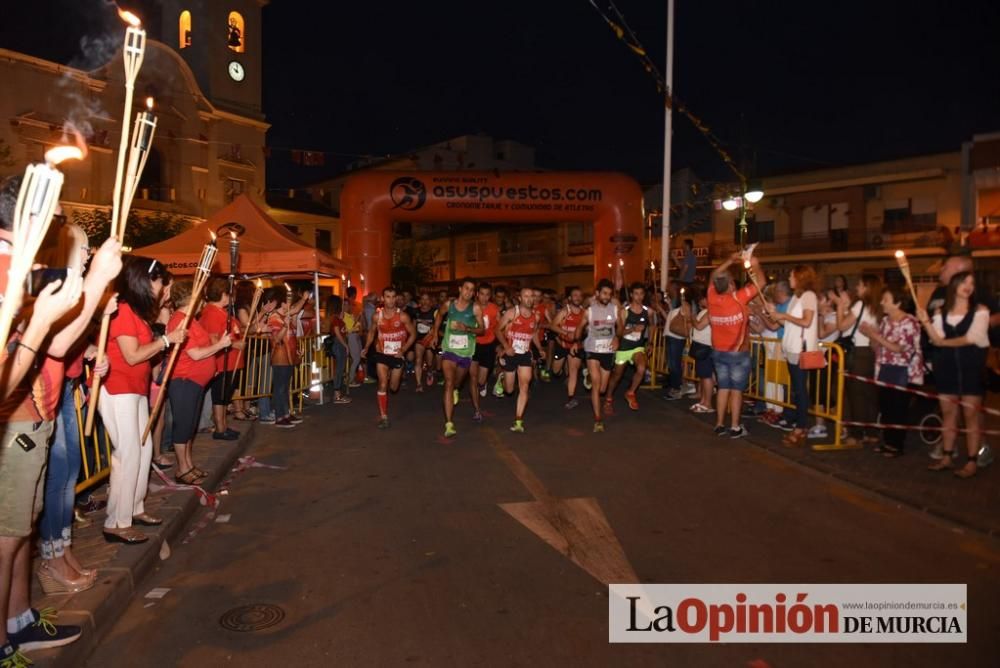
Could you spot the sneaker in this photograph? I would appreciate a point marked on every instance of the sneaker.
(572, 403)
(266, 420)
(498, 387)
(587, 384)
(369, 381)
(817, 431)
(690, 390)
(228, 435)
(43, 633)
(518, 427)
(12, 658)
(284, 423)
(936, 453)
(672, 395)
(430, 379)
(545, 375)
(609, 408)
(342, 400)
(477, 417)
(739, 432)
(633, 403)
(383, 422)
(482, 390)
(454, 397)
(720, 430)
(985, 456)
(783, 425)
(598, 427)
(449, 429)
(295, 419)
(354, 383)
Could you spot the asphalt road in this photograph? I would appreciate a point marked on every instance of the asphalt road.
(387, 548)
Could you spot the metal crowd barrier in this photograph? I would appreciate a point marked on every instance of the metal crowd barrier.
(769, 380)
(95, 452)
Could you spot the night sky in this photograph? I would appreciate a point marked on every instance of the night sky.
(788, 86)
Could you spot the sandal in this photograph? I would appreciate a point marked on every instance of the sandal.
(943, 464)
(969, 470)
(795, 439)
(199, 472)
(189, 477)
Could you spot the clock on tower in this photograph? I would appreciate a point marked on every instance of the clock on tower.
(221, 41)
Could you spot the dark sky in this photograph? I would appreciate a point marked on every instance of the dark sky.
(789, 86)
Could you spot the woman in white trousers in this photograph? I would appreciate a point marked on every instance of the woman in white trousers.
(124, 400)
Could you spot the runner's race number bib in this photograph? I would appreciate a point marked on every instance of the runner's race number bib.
(634, 336)
(391, 347)
(603, 345)
(423, 328)
(521, 346)
(458, 341)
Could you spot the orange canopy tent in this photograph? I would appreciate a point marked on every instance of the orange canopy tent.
(266, 247)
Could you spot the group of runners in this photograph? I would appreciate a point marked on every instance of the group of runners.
(522, 336)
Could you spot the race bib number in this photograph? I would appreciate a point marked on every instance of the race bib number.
(423, 328)
(391, 347)
(486, 321)
(458, 341)
(521, 346)
(634, 336)
(603, 345)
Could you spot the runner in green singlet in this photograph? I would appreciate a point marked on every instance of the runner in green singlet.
(458, 345)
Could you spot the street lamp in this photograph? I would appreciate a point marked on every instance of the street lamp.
(750, 194)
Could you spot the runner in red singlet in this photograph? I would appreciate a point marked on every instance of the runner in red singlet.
(396, 334)
(516, 331)
(566, 351)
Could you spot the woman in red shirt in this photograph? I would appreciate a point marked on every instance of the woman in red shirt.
(192, 373)
(124, 404)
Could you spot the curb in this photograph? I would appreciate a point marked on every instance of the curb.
(99, 608)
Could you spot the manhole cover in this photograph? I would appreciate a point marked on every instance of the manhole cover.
(248, 618)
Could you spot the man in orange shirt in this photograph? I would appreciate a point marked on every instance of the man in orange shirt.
(485, 357)
(728, 314)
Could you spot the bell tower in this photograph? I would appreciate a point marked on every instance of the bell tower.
(221, 41)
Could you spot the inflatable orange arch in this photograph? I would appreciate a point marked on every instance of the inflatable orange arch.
(372, 201)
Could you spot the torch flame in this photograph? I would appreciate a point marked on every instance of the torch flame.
(129, 18)
(232, 235)
(260, 284)
(213, 235)
(57, 154)
(621, 262)
(900, 255)
(149, 103)
(746, 264)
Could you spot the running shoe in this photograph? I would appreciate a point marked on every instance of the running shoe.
(672, 395)
(11, 657)
(518, 427)
(609, 407)
(284, 423)
(817, 431)
(633, 403)
(383, 422)
(420, 389)
(572, 403)
(498, 387)
(449, 429)
(598, 427)
(454, 397)
(783, 425)
(586, 380)
(720, 430)
(739, 432)
(477, 417)
(266, 420)
(43, 633)
(295, 419)
(342, 400)
(545, 375)
(482, 390)
(430, 379)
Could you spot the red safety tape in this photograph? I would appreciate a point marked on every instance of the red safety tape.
(205, 498)
(913, 427)
(921, 393)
